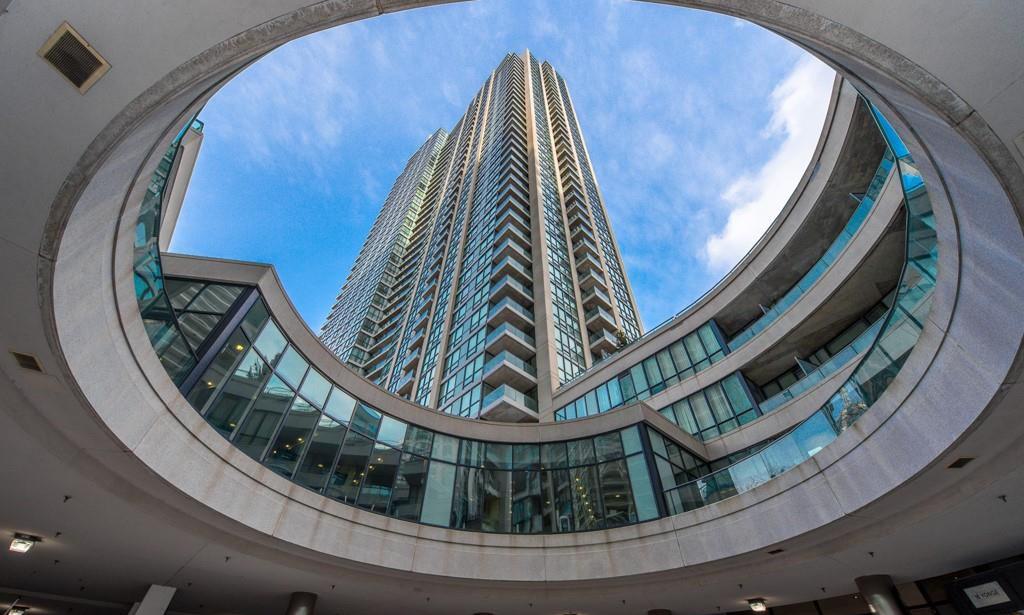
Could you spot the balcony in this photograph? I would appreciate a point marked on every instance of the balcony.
(580, 230)
(603, 342)
(508, 311)
(510, 266)
(417, 340)
(411, 360)
(420, 322)
(404, 386)
(599, 318)
(511, 231)
(588, 263)
(511, 247)
(595, 297)
(506, 368)
(515, 218)
(584, 247)
(592, 279)
(508, 286)
(508, 405)
(508, 338)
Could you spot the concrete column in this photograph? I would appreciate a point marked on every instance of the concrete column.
(880, 594)
(301, 603)
(155, 602)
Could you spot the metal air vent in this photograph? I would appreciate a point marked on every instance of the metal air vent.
(74, 58)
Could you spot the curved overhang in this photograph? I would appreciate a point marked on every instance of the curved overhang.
(105, 410)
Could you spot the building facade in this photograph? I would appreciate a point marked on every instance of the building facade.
(504, 281)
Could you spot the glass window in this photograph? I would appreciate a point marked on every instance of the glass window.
(349, 473)
(556, 494)
(608, 446)
(581, 452)
(380, 477)
(319, 459)
(468, 498)
(260, 423)
(271, 342)
(495, 510)
(437, 501)
(445, 448)
(586, 498)
(639, 380)
(553, 455)
(652, 372)
(418, 441)
(315, 388)
(708, 337)
(701, 411)
(737, 394)
(291, 367)
(181, 291)
(526, 457)
(643, 491)
(695, 349)
(472, 453)
(665, 363)
(216, 298)
(631, 440)
(366, 420)
(614, 393)
(197, 327)
(293, 437)
(392, 431)
(255, 318)
(616, 497)
(340, 406)
(225, 412)
(679, 356)
(499, 456)
(685, 416)
(221, 366)
(410, 488)
(527, 510)
(719, 405)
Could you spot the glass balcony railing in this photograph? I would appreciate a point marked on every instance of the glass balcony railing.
(513, 264)
(508, 393)
(511, 359)
(514, 283)
(823, 371)
(827, 259)
(511, 304)
(899, 332)
(598, 312)
(510, 329)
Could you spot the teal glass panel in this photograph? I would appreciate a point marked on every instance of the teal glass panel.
(381, 470)
(271, 342)
(259, 424)
(218, 370)
(340, 406)
(293, 437)
(319, 459)
(351, 468)
(410, 488)
(315, 388)
(238, 392)
(437, 501)
(642, 488)
(292, 367)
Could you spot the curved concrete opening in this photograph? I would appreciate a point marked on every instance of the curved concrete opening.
(957, 393)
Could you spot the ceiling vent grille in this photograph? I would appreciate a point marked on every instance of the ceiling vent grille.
(74, 58)
(27, 361)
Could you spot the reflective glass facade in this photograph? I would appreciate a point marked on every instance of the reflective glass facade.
(254, 387)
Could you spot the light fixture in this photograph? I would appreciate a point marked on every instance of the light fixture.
(17, 610)
(758, 605)
(23, 542)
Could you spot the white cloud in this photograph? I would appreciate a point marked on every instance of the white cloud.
(799, 104)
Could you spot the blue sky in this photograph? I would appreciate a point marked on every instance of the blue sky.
(699, 127)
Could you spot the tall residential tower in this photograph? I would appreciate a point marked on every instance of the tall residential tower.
(491, 275)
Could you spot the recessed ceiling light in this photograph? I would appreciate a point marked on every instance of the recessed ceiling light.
(758, 605)
(23, 542)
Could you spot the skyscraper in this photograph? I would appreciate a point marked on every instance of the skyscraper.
(491, 275)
